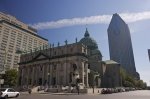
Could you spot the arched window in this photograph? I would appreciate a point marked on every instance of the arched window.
(74, 67)
(88, 66)
(41, 68)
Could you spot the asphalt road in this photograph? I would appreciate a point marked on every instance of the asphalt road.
(142, 94)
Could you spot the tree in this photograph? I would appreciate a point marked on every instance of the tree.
(123, 75)
(128, 84)
(141, 84)
(130, 81)
(127, 80)
(10, 77)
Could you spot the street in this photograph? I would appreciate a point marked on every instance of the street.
(141, 94)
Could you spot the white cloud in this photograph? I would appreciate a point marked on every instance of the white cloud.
(99, 19)
(134, 17)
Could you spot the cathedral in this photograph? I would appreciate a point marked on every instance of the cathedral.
(68, 65)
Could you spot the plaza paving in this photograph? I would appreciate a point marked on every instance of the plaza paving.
(141, 94)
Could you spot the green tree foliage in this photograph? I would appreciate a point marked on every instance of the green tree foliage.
(10, 77)
(123, 74)
(129, 81)
(141, 84)
(128, 84)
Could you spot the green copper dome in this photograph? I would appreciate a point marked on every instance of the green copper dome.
(88, 41)
(95, 52)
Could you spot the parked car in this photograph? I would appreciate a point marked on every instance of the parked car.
(127, 89)
(106, 91)
(8, 92)
(103, 91)
(115, 90)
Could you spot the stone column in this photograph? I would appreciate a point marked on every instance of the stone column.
(65, 73)
(22, 77)
(37, 74)
(47, 70)
(82, 71)
(86, 71)
(32, 78)
(27, 76)
(36, 69)
(51, 73)
(43, 74)
(48, 74)
(58, 74)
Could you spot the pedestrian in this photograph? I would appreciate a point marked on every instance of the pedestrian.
(29, 90)
(78, 89)
(38, 89)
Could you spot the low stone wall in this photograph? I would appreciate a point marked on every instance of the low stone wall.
(53, 90)
(81, 91)
(96, 90)
(85, 90)
(35, 89)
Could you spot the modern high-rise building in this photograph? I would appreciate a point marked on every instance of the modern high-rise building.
(16, 35)
(120, 45)
(149, 53)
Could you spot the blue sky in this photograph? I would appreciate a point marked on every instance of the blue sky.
(52, 13)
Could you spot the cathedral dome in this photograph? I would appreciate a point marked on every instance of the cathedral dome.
(95, 52)
(88, 41)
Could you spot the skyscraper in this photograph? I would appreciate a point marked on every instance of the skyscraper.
(120, 45)
(149, 53)
(16, 35)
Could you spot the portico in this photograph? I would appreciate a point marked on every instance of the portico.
(58, 70)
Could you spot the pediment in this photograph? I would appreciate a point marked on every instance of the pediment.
(40, 56)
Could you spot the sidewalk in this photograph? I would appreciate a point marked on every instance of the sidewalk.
(40, 92)
(60, 93)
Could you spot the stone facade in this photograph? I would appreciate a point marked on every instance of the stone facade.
(68, 65)
(55, 66)
(111, 74)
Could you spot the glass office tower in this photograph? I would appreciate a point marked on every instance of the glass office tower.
(120, 45)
